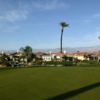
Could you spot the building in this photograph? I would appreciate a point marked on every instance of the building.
(56, 56)
(70, 57)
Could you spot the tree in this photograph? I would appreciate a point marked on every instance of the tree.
(65, 57)
(99, 37)
(89, 56)
(4, 59)
(26, 51)
(31, 56)
(63, 24)
(76, 60)
(85, 56)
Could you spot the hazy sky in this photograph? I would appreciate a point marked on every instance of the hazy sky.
(36, 23)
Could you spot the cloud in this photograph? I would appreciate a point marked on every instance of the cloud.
(12, 16)
(91, 18)
(87, 21)
(98, 28)
(1, 17)
(11, 28)
(16, 15)
(86, 41)
(12, 12)
(93, 38)
(53, 4)
(96, 15)
(21, 11)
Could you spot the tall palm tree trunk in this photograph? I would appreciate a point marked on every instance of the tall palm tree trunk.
(61, 42)
(63, 24)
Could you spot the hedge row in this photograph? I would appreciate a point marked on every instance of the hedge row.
(91, 62)
(64, 63)
(69, 63)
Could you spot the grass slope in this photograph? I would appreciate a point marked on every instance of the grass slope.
(50, 83)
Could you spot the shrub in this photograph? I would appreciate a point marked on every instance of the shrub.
(38, 63)
(76, 60)
(5, 63)
(65, 63)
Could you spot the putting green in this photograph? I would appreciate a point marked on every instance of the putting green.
(50, 83)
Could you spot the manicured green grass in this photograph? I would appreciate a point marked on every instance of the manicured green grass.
(50, 83)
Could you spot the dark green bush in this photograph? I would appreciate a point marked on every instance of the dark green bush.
(5, 63)
(65, 63)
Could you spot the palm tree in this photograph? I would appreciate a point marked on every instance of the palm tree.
(63, 24)
(26, 51)
(65, 57)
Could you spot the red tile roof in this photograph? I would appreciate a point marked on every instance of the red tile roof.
(67, 54)
(46, 55)
(40, 53)
(85, 53)
(80, 53)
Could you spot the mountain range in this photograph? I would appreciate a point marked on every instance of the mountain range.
(67, 49)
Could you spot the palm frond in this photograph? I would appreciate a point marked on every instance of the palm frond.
(63, 24)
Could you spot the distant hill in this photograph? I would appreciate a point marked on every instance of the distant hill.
(67, 49)
(70, 50)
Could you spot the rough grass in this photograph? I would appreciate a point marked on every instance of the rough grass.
(50, 83)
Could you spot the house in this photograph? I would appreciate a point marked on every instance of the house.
(70, 57)
(80, 56)
(44, 56)
(40, 54)
(17, 56)
(54, 56)
(47, 58)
